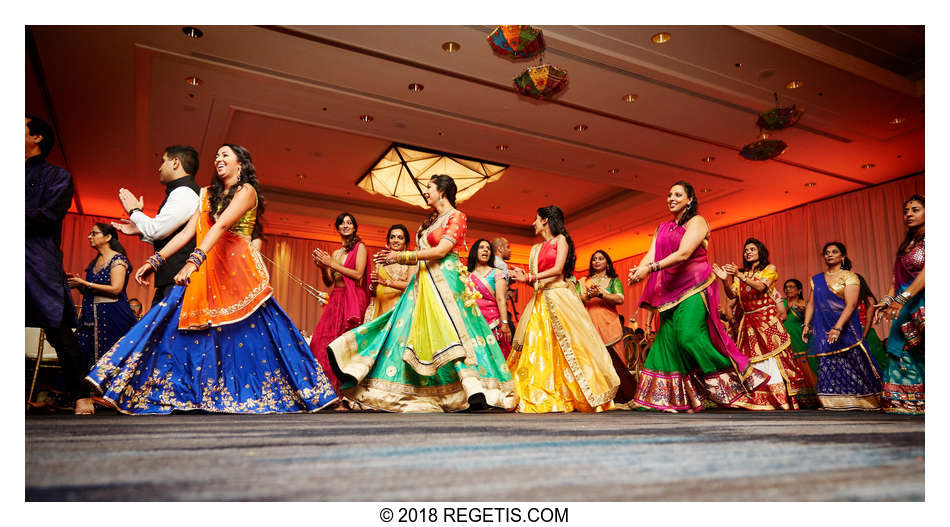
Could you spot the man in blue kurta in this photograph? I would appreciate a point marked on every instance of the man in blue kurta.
(49, 192)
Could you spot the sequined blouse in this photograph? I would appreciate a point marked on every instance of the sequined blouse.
(244, 226)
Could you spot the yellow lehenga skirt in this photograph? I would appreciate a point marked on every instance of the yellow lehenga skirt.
(558, 361)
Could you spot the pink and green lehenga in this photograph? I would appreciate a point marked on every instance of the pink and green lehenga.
(693, 359)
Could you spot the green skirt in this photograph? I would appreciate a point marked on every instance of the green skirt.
(683, 368)
(432, 352)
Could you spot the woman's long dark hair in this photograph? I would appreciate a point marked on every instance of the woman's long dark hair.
(555, 217)
(353, 239)
(693, 208)
(846, 263)
(611, 273)
(446, 185)
(398, 227)
(763, 255)
(109, 230)
(219, 199)
(865, 294)
(473, 254)
(798, 284)
(911, 235)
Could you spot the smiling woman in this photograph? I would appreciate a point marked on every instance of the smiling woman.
(693, 359)
(218, 342)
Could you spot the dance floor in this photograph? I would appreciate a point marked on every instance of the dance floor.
(617, 456)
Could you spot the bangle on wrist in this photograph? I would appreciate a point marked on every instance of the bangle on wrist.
(156, 261)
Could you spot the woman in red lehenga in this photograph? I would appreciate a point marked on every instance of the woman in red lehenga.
(760, 335)
(346, 269)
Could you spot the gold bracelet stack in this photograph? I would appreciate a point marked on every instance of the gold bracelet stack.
(407, 257)
(155, 261)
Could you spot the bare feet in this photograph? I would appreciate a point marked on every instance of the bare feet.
(85, 407)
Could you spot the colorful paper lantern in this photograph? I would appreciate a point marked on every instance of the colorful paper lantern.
(779, 118)
(763, 149)
(516, 42)
(541, 81)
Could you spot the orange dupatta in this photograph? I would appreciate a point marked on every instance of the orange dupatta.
(230, 285)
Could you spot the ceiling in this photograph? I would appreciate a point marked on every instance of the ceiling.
(293, 95)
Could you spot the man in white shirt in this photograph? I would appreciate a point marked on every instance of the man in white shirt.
(177, 173)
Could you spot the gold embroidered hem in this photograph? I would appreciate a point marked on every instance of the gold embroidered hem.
(871, 401)
(563, 365)
(396, 397)
(673, 392)
(769, 397)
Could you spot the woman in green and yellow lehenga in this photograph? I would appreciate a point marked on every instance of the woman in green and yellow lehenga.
(433, 351)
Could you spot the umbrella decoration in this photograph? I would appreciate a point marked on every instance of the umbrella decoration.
(541, 81)
(763, 149)
(516, 42)
(780, 117)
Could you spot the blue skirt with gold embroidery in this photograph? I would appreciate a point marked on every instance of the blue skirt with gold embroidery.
(258, 365)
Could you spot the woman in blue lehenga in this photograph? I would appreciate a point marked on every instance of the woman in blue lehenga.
(218, 342)
(848, 377)
(106, 314)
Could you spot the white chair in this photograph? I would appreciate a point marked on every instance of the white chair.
(42, 354)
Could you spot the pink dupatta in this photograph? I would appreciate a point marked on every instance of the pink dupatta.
(355, 294)
(668, 287)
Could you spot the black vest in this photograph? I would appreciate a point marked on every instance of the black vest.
(166, 273)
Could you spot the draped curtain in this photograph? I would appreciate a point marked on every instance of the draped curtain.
(869, 222)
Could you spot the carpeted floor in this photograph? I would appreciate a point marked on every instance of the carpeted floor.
(617, 456)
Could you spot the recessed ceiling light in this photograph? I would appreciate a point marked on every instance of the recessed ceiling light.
(366, 118)
(415, 87)
(441, 133)
(613, 171)
(705, 190)
(868, 165)
(661, 38)
(708, 159)
(720, 213)
(302, 176)
(896, 120)
(451, 47)
(194, 80)
(581, 127)
(738, 65)
(794, 84)
(810, 184)
(630, 97)
(502, 147)
(764, 135)
(192, 32)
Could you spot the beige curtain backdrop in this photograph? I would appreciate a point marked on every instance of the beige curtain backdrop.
(867, 221)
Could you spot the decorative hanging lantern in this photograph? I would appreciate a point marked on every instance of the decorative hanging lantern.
(516, 42)
(763, 149)
(541, 81)
(779, 118)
